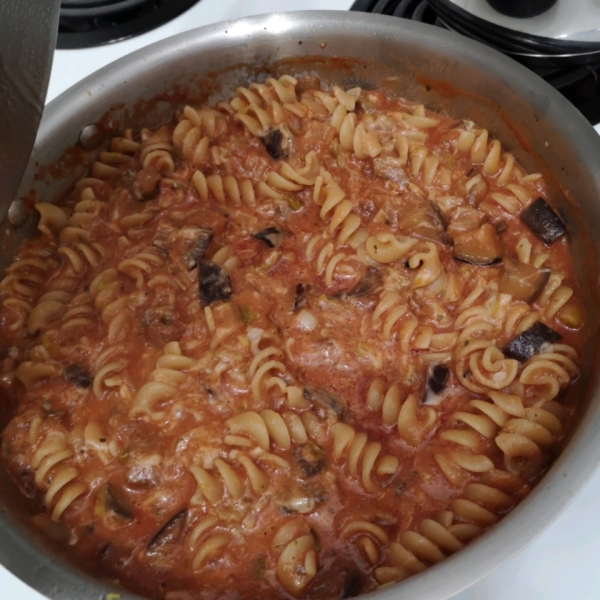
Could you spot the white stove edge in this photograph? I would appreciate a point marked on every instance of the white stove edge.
(562, 563)
(566, 21)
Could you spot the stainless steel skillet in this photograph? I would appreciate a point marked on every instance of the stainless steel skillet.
(542, 129)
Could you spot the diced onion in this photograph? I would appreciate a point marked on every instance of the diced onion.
(306, 321)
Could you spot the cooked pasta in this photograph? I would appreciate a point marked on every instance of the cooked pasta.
(303, 343)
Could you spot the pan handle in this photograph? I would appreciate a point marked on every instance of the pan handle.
(28, 30)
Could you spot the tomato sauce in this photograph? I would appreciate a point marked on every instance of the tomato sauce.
(262, 352)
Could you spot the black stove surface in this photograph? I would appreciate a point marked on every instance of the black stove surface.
(88, 23)
(580, 84)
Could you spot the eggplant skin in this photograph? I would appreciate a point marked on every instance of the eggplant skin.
(528, 343)
(368, 283)
(439, 378)
(543, 221)
(170, 532)
(437, 381)
(77, 376)
(352, 585)
(300, 296)
(273, 143)
(214, 283)
(146, 185)
(310, 458)
(389, 167)
(479, 246)
(203, 236)
(325, 399)
(116, 502)
(521, 281)
(271, 236)
(365, 286)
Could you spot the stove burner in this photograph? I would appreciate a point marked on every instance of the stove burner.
(578, 83)
(87, 23)
(416, 10)
(97, 8)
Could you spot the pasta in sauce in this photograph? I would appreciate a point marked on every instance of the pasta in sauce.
(303, 343)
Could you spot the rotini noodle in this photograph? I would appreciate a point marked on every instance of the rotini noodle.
(306, 342)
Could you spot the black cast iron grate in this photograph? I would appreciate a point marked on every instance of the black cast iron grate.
(88, 23)
(579, 83)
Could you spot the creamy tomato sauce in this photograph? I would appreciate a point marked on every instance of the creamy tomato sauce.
(303, 343)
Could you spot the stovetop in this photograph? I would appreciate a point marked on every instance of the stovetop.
(88, 23)
(579, 83)
(562, 563)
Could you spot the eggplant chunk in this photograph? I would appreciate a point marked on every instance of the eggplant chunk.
(390, 167)
(521, 281)
(271, 236)
(197, 240)
(479, 247)
(77, 376)
(477, 192)
(146, 185)
(528, 343)
(465, 219)
(116, 501)
(325, 400)
(170, 532)
(500, 226)
(301, 296)
(543, 221)
(273, 143)
(437, 378)
(310, 458)
(368, 283)
(352, 585)
(424, 222)
(214, 283)
(161, 238)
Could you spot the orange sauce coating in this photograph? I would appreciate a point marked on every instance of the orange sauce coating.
(140, 421)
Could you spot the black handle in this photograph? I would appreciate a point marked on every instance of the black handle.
(28, 31)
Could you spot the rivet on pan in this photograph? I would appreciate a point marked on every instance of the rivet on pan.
(17, 213)
(90, 137)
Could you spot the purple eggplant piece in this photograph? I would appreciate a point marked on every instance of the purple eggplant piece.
(521, 281)
(301, 296)
(214, 283)
(325, 400)
(170, 532)
(352, 585)
(530, 342)
(271, 236)
(310, 458)
(543, 221)
(146, 185)
(369, 282)
(161, 238)
(201, 238)
(437, 379)
(273, 143)
(117, 503)
(77, 376)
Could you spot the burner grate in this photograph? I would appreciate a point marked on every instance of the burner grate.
(417, 10)
(88, 23)
(579, 83)
(97, 8)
